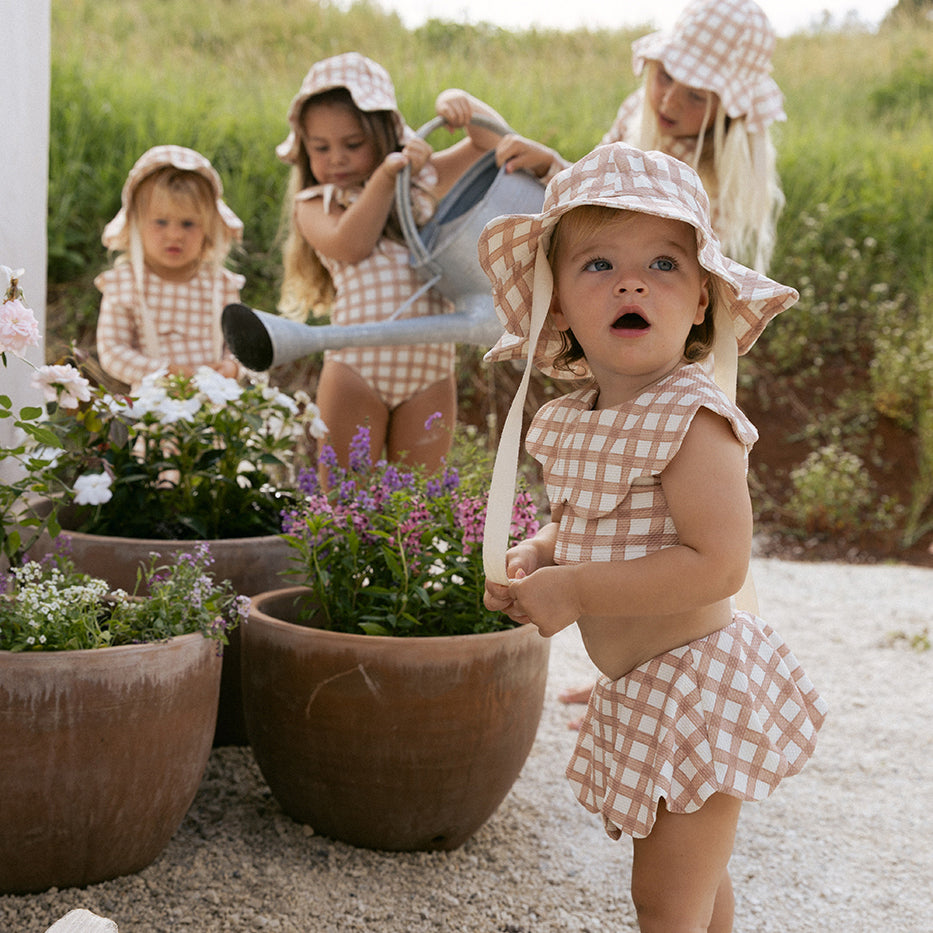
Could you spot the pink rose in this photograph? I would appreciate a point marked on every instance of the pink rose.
(18, 327)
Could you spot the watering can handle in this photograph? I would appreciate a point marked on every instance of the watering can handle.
(403, 185)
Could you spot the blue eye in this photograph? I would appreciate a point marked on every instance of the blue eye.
(664, 264)
(598, 265)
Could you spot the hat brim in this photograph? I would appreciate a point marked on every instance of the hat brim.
(508, 250)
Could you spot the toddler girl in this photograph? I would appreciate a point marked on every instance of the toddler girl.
(621, 281)
(708, 98)
(163, 298)
(345, 251)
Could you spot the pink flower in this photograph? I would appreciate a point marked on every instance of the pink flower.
(62, 384)
(18, 327)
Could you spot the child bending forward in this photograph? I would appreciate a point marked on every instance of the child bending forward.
(621, 282)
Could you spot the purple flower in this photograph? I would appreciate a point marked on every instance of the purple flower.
(360, 457)
(308, 482)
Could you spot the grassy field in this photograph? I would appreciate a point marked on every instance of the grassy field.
(853, 362)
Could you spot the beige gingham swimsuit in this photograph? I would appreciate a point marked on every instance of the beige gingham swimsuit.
(184, 320)
(373, 290)
(730, 713)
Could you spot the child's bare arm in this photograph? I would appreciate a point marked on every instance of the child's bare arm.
(351, 234)
(707, 493)
(458, 107)
(516, 152)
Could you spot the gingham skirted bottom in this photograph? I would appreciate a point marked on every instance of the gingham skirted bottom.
(730, 713)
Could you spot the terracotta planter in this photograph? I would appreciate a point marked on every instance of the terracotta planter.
(388, 743)
(103, 751)
(253, 565)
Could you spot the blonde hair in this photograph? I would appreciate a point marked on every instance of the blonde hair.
(579, 223)
(307, 286)
(739, 172)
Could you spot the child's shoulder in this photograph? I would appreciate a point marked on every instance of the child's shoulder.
(118, 278)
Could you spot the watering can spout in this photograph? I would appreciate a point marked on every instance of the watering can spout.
(262, 341)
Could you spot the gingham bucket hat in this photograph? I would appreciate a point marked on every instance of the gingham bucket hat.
(513, 248)
(115, 232)
(723, 46)
(513, 253)
(368, 83)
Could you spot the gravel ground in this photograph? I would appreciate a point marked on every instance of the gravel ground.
(845, 846)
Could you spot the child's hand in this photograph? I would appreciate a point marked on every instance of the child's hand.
(415, 153)
(544, 598)
(455, 106)
(516, 152)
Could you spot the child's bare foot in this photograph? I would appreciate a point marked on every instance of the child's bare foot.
(575, 695)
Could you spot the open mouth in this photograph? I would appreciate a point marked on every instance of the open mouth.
(630, 321)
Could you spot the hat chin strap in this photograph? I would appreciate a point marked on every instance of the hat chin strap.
(505, 469)
(725, 352)
(726, 374)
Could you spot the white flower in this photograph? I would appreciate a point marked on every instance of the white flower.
(148, 399)
(18, 327)
(171, 410)
(315, 423)
(219, 389)
(93, 489)
(62, 384)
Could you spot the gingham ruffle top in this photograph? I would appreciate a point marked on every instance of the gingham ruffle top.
(183, 320)
(604, 466)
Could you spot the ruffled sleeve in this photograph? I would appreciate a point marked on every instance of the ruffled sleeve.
(592, 459)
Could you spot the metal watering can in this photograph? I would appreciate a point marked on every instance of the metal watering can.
(444, 255)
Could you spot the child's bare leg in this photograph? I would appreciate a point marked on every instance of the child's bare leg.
(409, 440)
(346, 401)
(680, 878)
(575, 694)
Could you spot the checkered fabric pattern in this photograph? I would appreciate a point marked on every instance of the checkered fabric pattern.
(367, 81)
(622, 177)
(186, 160)
(184, 317)
(723, 46)
(731, 713)
(603, 466)
(373, 290)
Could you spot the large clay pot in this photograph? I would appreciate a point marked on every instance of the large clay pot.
(252, 565)
(388, 743)
(102, 753)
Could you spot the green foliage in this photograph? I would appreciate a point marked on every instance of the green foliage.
(833, 494)
(49, 606)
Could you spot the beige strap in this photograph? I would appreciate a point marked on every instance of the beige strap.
(505, 469)
(726, 374)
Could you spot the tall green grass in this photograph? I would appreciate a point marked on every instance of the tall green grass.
(855, 158)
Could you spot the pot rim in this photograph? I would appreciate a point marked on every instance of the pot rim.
(96, 652)
(373, 640)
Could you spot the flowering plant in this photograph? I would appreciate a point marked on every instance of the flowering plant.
(185, 457)
(23, 468)
(48, 606)
(389, 551)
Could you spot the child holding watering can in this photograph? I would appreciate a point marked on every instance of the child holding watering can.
(345, 251)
